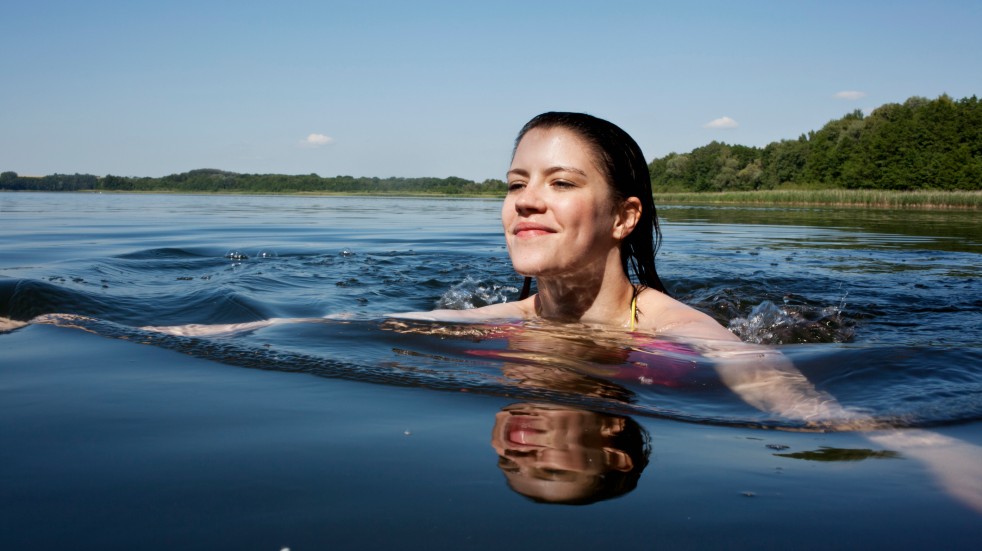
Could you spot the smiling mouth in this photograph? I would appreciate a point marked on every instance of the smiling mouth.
(531, 230)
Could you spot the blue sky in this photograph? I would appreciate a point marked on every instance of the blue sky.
(431, 88)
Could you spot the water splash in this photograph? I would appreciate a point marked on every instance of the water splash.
(768, 323)
(473, 293)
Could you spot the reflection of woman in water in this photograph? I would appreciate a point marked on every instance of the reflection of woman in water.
(559, 454)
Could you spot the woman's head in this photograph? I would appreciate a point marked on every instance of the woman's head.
(620, 160)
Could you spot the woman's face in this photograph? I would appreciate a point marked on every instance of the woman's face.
(558, 215)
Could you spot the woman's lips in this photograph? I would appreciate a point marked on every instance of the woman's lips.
(528, 229)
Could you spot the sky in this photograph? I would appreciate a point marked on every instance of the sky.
(440, 88)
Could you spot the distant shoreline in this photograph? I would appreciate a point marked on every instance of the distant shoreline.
(864, 198)
(859, 198)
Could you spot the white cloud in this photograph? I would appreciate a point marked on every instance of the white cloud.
(316, 140)
(722, 122)
(850, 95)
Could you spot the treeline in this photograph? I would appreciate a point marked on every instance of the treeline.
(53, 182)
(218, 181)
(920, 144)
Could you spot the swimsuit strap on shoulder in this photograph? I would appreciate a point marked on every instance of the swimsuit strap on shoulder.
(634, 311)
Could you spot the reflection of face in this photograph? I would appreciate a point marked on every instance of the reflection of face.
(558, 210)
(557, 454)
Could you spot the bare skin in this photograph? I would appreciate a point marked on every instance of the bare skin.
(658, 314)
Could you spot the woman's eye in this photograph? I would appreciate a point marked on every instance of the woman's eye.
(563, 184)
(515, 186)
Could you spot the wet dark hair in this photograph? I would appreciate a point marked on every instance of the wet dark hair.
(620, 160)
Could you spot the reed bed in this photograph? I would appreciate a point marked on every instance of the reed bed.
(969, 200)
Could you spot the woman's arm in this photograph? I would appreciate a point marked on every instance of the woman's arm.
(955, 464)
(767, 380)
(227, 329)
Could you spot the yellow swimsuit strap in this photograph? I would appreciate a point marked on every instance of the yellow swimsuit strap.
(634, 311)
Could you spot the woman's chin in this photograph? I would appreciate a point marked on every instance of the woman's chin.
(529, 271)
(542, 269)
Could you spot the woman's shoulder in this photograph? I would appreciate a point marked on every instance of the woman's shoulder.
(518, 310)
(664, 315)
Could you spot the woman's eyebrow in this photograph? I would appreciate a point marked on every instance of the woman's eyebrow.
(548, 171)
(574, 170)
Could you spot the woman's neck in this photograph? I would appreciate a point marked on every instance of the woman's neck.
(599, 295)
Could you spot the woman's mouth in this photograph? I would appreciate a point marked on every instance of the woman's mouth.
(529, 229)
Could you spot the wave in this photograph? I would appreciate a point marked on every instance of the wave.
(27, 299)
(895, 386)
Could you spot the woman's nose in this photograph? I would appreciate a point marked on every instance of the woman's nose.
(530, 199)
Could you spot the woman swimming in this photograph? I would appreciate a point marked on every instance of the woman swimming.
(579, 217)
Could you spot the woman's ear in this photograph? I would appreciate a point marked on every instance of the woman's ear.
(628, 216)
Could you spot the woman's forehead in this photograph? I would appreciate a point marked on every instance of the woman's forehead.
(555, 147)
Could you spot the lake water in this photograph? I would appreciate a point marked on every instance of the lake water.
(359, 432)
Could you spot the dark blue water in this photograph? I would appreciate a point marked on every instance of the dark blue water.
(357, 430)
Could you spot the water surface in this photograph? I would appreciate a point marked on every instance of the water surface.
(311, 432)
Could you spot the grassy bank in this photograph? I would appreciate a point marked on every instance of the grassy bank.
(834, 198)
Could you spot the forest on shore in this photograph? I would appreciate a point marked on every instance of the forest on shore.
(918, 145)
(209, 180)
